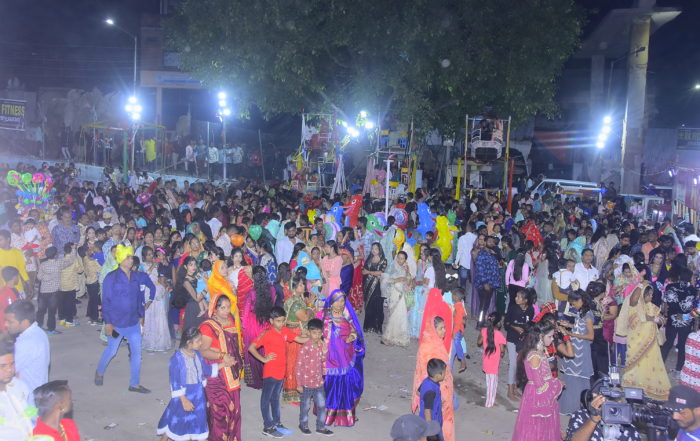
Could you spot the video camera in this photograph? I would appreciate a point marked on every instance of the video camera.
(636, 409)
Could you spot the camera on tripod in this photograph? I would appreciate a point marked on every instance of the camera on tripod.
(635, 410)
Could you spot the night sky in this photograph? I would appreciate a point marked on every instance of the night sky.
(64, 43)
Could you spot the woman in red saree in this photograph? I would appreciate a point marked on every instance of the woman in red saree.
(435, 341)
(221, 342)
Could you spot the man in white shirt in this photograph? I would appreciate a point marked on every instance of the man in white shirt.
(223, 239)
(463, 260)
(16, 424)
(285, 245)
(212, 159)
(32, 353)
(214, 222)
(237, 160)
(292, 217)
(584, 271)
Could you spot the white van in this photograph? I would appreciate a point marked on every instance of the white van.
(568, 188)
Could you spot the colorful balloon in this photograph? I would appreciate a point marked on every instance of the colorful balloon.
(445, 237)
(237, 240)
(37, 178)
(27, 178)
(255, 231)
(13, 178)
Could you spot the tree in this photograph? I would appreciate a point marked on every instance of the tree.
(430, 60)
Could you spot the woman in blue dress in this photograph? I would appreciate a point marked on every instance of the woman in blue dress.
(344, 380)
(185, 417)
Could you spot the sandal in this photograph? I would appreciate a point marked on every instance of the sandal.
(140, 389)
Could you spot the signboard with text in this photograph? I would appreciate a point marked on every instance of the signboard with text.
(688, 139)
(12, 114)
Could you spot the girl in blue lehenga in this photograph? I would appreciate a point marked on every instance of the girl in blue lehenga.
(344, 381)
(185, 418)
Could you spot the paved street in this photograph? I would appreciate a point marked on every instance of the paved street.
(388, 378)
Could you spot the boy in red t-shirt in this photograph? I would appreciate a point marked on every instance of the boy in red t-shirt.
(274, 340)
(8, 294)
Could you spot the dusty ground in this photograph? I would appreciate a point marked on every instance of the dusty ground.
(388, 370)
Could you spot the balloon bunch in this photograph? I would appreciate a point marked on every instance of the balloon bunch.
(34, 191)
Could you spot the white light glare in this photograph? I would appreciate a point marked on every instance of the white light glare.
(222, 103)
(600, 144)
(344, 124)
(133, 100)
(369, 125)
(222, 95)
(227, 112)
(602, 137)
(129, 108)
(607, 119)
(363, 114)
(109, 21)
(606, 129)
(695, 181)
(353, 132)
(670, 173)
(136, 116)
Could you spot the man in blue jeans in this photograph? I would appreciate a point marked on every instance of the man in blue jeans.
(123, 312)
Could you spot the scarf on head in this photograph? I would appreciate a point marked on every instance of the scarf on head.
(123, 252)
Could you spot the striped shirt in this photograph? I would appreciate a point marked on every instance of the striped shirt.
(690, 374)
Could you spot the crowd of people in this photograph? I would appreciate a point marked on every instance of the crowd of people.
(276, 290)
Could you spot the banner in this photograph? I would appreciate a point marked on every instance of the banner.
(688, 139)
(12, 114)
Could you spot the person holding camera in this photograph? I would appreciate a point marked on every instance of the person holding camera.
(684, 402)
(586, 425)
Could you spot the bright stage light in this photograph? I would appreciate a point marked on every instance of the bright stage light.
(607, 119)
(227, 112)
(109, 21)
(606, 129)
(600, 144)
(222, 95)
(363, 114)
(353, 132)
(369, 125)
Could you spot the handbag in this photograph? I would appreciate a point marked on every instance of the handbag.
(409, 299)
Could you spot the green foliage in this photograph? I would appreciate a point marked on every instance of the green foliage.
(431, 60)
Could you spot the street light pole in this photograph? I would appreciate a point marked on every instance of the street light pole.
(223, 145)
(224, 111)
(135, 37)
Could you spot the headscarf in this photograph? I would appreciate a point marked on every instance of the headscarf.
(431, 346)
(123, 252)
(435, 306)
(218, 284)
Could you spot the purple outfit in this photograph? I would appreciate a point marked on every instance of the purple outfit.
(538, 417)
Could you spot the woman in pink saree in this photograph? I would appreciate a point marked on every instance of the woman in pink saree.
(538, 417)
(330, 268)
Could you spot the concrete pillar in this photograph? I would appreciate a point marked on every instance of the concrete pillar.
(635, 122)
